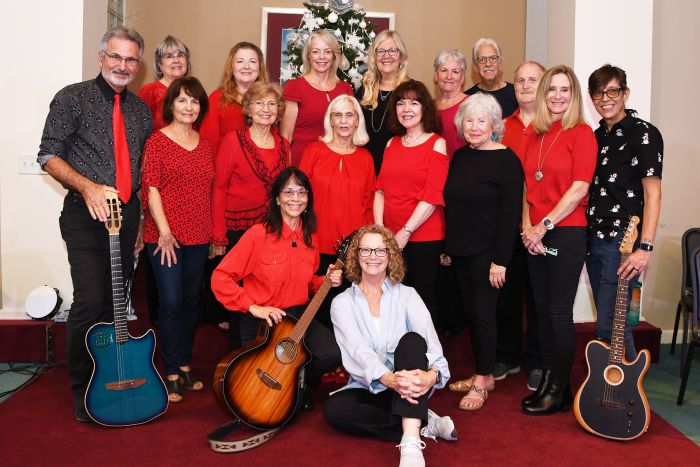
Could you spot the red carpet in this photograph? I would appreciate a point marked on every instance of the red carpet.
(37, 428)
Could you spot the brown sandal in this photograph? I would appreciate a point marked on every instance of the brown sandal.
(481, 394)
(464, 385)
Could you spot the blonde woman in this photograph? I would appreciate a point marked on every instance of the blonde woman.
(387, 62)
(307, 97)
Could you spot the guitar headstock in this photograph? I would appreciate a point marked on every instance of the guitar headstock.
(630, 237)
(114, 221)
(342, 245)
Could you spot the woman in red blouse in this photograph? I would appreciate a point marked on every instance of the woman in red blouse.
(408, 198)
(275, 262)
(245, 65)
(247, 162)
(560, 158)
(172, 61)
(307, 97)
(178, 172)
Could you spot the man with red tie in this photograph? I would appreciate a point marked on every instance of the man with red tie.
(92, 143)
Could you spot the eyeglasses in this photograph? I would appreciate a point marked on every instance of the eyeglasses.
(365, 252)
(289, 193)
(490, 59)
(116, 59)
(393, 52)
(319, 52)
(258, 105)
(171, 56)
(612, 93)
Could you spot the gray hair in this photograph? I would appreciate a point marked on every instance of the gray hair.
(451, 54)
(360, 136)
(485, 41)
(488, 104)
(170, 43)
(120, 32)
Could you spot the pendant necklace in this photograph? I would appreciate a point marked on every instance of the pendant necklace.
(538, 174)
(383, 98)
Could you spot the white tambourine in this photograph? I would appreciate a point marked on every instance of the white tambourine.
(43, 302)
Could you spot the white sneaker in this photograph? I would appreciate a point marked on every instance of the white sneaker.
(411, 452)
(442, 427)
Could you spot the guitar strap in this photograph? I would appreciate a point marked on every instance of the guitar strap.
(217, 443)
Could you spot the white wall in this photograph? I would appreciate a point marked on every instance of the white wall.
(43, 43)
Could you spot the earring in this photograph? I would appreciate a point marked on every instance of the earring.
(494, 137)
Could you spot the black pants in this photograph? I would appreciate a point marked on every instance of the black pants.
(554, 283)
(509, 315)
(479, 300)
(359, 412)
(422, 264)
(450, 315)
(87, 243)
(319, 339)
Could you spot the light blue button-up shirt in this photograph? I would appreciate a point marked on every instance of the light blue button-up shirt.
(367, 356)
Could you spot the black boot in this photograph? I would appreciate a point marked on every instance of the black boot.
(557, 398)
(545, 382)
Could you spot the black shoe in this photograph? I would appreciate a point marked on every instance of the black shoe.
(79, 411)
(557, 398)
(307, 400)
(545, 382)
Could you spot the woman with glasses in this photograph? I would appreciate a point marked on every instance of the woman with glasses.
(172, 60)
(387, 62)
(627, 182)
(247, 163)
(389, 348)
(408, 198)
(245, 65)
(487, 60)
(270, 271)
(559, 161)
(307, 97)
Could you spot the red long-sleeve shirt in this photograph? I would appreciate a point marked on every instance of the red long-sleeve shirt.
(153, 94)
(221, 119)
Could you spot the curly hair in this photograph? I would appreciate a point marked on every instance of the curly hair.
(257, 91)
(395, 270)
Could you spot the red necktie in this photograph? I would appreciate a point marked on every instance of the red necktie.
(121, 152)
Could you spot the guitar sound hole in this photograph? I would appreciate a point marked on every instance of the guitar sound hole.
(286, 351)
(614, 375)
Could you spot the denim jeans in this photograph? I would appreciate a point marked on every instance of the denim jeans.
(602, 263)
(178, 293)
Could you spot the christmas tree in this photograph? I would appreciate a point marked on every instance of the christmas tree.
(346, 20)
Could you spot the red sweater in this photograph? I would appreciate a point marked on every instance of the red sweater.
(571, 158)
(410, 175)
(153, 95)
(221, 119)
(343, 191)
(184, 180)
(312, 105)
(244, 176)
(274, 273)
(517, 134)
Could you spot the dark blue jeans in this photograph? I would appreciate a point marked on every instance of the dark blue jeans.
(602, 263)
(178, 294)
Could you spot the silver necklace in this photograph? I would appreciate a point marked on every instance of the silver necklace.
(383, 98)
(538, 174)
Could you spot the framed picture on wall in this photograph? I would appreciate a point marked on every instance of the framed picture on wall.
(278, 23)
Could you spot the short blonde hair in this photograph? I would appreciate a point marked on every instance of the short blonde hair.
(330, 40)
(258, 90)
(360, 136)
(573, 114)
(395, 270)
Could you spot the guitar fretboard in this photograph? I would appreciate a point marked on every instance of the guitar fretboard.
(617, 340)
(118, 297)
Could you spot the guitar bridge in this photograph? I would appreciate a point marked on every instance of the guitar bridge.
(610, 404)
(126, 384)
(268, 380)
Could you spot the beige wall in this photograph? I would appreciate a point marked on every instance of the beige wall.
(211, 27)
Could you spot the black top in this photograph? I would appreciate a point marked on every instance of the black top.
(631, 151)
(483, 202)
(505, 96)
(377, 124)
(78, 129)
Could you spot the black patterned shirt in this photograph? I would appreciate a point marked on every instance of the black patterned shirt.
(78, 129)
(632, 150)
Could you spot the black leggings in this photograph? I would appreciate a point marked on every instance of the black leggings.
(358, 412)
(554, 280)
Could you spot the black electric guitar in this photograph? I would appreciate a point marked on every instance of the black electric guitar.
(611, 402)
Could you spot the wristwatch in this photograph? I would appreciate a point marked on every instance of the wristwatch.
(547, 222)
(646, 246)
(406, 229)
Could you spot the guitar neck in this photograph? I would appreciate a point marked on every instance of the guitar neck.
(617, 340)
(118, 296)
(307, 317)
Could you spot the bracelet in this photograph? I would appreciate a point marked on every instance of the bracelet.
(406, 229)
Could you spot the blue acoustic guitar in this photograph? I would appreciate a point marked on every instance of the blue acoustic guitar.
(125, 388)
